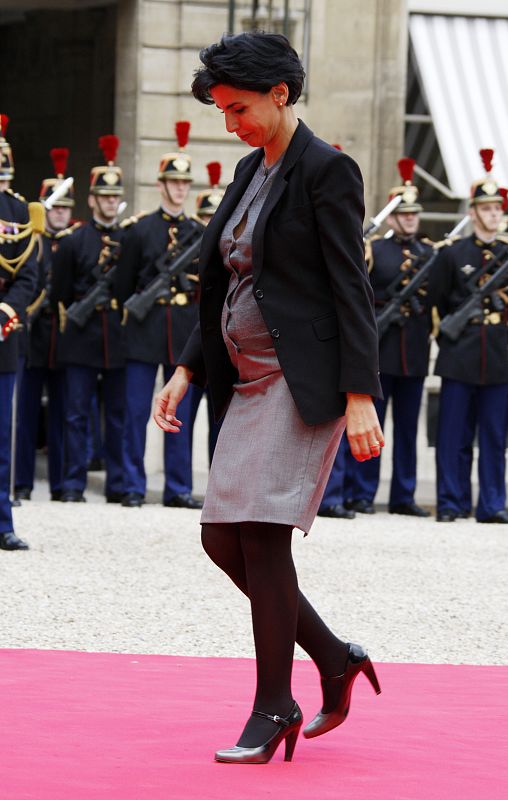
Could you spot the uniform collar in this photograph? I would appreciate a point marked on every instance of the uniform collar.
(174, 219)
(103, 228)
(484, 245)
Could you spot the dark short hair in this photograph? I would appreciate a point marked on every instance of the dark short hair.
(254, 61)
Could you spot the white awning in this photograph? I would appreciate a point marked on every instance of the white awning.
(463, 63)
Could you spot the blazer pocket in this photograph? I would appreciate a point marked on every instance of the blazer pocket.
(326, 327)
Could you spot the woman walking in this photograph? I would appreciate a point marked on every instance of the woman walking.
(287, 343)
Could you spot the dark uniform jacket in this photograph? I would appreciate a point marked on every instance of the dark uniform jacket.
(19, 289)
(100, 344)
(480, 355)
(43, 328)
(404, 348)
(162, 335)
(309, 280)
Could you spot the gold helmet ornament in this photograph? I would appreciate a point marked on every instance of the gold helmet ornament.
(107, 179)
(177, 166)
(485, 190)
(208, 201)
(6, 159)
(59, 156)
(409, 193)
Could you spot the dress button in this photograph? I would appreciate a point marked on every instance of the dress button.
(259, 293)
(275, 333)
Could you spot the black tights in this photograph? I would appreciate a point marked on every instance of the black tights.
(257, 557)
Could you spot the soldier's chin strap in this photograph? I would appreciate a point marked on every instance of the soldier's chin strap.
(101, 211)
(491, 235)
(171, 202)
(399, 228)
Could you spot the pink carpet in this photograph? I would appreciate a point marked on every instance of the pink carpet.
(87, 726)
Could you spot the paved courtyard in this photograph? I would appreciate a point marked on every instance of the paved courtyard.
(103, 578)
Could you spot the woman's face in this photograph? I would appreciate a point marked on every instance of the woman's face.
(253, 116)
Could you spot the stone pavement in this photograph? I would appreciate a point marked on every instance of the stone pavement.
(104, 578)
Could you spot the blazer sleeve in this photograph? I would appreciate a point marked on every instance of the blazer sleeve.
(339, 211)
(192, 357)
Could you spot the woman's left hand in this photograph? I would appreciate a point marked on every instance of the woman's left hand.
(362, 427)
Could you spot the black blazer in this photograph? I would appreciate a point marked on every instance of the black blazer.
(309, 279)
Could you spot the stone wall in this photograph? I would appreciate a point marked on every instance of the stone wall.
(355, 91)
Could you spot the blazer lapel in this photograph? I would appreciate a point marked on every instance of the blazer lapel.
(297, 145)
(228, 203)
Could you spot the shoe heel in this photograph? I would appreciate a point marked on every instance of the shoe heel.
(291, 744)
(370, 673)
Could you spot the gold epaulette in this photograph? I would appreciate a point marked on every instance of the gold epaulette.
(502, 237)
(446, 242)
(69, 230)
(369, 255)
(16, 195)
(126, 223)
(195, 218)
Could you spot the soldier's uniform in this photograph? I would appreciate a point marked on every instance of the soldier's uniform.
(474, 371)
(403, 359)
(158, 339)
(97, 348)
(18, 286)
(41, 368)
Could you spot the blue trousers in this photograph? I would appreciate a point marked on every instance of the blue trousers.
(94, 443)
(29, 402)
(139, 386)
(334, 492)
(81, 383)
(460, 405)
(362, 479)
(7, 381)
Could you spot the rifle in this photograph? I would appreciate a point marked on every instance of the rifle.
(453, 324)
(171, 263)
(376, 222)
(406, 294)
(81, 310)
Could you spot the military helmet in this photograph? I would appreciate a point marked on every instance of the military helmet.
(6, 159)
(107, 179)
(207, 202)
(486, 189)
(177, 166)
(409, 192)
(59, 156)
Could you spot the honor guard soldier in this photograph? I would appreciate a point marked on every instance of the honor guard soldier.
(41, 368)
(91, 343)
(18, 286)
(469, 286)
(403, 350)
(157, 334)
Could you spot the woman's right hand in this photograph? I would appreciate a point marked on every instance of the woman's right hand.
(167, 400)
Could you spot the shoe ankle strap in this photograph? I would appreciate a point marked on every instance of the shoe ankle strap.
(272, 717)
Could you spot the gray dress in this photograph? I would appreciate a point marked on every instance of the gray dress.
(268, 466)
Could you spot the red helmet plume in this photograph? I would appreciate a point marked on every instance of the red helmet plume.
(59, 157)
(486, 156)
(214, 170)
(182, 129)
(504, 194)
(4, 122)
(406, 168)
(109, 145)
